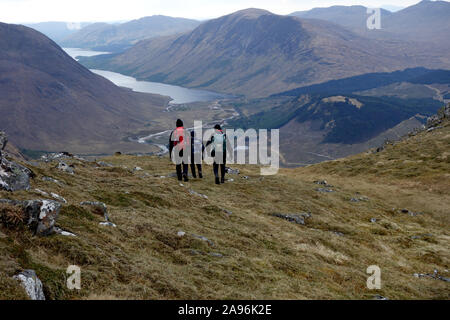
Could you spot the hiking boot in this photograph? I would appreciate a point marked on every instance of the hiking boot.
(200, 175)
(222, 180)
(186, 179)
(217, 180)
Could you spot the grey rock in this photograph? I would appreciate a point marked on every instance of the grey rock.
(65, 168)
(49, 179)
(181, 233)
(340, 234)
(108, 224)
(32, 285)
(379, 297)
(64, 233)
(324, 190)
(373, 220)
(202, 238)
(13, 176)
(323, 183)
(40, 215)
(295, 218)
(359, 199)
(58, 197)
(231, 171)
(410, 213)
(197, 194)
(104, 164)
(3, 141)
(228, 212)
(137, 169)
(103, 209)
(435, 275)
(216, 254)
(245, 177)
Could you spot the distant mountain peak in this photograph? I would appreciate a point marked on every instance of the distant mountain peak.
(251, 12)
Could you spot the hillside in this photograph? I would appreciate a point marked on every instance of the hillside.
(114, 37)
(57, 30)
(256, 53)
(50, 102)
(426, 21)
(229, 245)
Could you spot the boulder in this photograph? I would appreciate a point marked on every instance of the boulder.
(295, 218)
(3, 141)
(98, 208)
(40, 215)
(31, 284)
(13, 176)
(65, 167)
(231, 171)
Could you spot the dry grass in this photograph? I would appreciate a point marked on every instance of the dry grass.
(264, 257)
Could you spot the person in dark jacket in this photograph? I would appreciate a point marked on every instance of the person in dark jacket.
(178, 142)
(219, 153)
(197, 150)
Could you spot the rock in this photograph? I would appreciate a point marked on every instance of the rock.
(359, 199)
(323, 183)
(373, 220)
(231, 171)
(48, 179)
(216, 254)
(13, 176)
(137, 169)
(64, 233)
(104, 164)
(181, 233)
(42, 193)
(435, 276)
(172, 175)
(58, 197)
(65, 167)
(99, 208)
(340, 234)
(108, 224)
(421, 236)
(40, 215)
(378, 297)
(245, 177)
(197, 194)
(228, 212)
(3, 141)
(32, 284)
(410, 213)
(230, 180)
(324, 190)
(202, 238)
(296, 218)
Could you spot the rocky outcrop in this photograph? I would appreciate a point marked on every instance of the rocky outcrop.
(295, 218)
(13, 176)
(442, 114)
(39, 215)
(31, 284)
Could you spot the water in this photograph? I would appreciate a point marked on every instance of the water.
(77, 52)
(178, 94)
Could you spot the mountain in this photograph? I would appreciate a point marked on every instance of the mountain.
(426, 21)
(50, 102)
(57, 31)
(256, 53)
(113, 37)
(267, 238)
(353, 17)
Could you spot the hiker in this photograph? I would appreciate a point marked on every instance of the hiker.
(219, 153)
(178, 141)
(197, 150)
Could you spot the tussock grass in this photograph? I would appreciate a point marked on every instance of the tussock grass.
(261, 256)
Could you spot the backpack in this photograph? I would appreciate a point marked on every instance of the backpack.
(220, 142)
(179, 138)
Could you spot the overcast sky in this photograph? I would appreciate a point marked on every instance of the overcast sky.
(16, 11)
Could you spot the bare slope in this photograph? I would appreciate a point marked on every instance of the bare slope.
(252, 254)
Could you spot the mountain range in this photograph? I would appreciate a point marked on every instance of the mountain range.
(426, 21)
(256, 53)
(57, 30)
(48, 100)
(116, 37)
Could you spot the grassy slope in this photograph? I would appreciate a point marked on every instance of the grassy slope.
(263, 257)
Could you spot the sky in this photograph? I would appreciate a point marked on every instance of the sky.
(22, 11)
